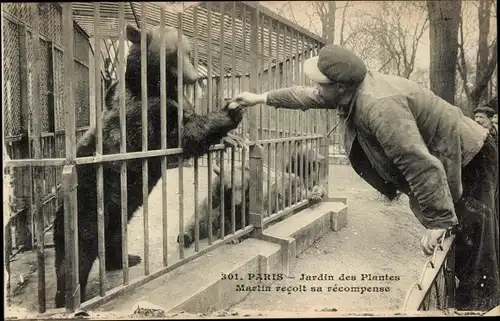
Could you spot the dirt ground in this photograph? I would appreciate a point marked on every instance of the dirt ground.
(381, 238)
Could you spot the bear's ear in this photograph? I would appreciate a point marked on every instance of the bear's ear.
(133, 34)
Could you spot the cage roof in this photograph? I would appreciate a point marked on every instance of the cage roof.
(236, 36)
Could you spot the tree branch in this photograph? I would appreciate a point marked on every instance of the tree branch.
(311, 24)
(482, 83)
(462, 66)
(343, 23)
(416, 41)
(385, 64)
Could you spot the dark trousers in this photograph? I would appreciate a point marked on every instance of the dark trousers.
(477, 236)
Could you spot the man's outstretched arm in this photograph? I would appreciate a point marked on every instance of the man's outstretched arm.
(295, 97)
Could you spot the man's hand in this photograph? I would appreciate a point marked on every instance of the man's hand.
(249, 99)
(431, 239)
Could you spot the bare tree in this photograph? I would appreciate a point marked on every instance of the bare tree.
(421, 76)
(476, 90)
(342, 25)
(325, 10)
(444, 17)
(321, 16)
(396, 29)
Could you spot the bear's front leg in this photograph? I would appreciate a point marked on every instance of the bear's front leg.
(203, 131)
(114, 257)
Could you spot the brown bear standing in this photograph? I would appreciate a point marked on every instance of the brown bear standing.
(199, 133)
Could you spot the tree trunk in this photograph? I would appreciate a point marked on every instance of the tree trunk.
(444, 17)
(330, 29)
(484, 69)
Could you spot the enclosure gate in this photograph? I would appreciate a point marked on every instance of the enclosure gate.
(18, 88)
(265, 52)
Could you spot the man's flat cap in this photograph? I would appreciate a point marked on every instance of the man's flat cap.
(486, 110)
(335, 64)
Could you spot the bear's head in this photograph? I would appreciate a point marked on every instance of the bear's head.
(240, 187)
(312, 162)
(133, 71)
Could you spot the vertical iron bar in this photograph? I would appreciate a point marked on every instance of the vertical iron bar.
(245, 74)
(243, 123)
(222, 73)
(123, 141)
(308, 120)
(163, 134)
(233, 80)
(290, 113)
(276, 115)
(180, 99)
(269, 114)
(99, 152)
(255, 150)
(38, 171)
(297, 117)
(221, 96)
(302, 82)
(144, 126)
(210, 100)
(28, 173)
(317, 115)
(222, 201)
(69, 171)
(260, 77)
(284, 119)
(195, 163)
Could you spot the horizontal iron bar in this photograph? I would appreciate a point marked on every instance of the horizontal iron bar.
(285, 139)
(101, 159)
(298, 206)
(136, 155)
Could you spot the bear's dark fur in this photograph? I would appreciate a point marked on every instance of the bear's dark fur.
(311, 165)
(237, 189)
(309, 168)
(200, 131)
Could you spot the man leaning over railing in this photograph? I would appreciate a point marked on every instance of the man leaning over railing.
(401, 136)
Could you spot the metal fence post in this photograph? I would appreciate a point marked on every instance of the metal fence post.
(256, 188)
(37, 151)
(256, 151)
(325, 150)
(69, 176)
(70, 183)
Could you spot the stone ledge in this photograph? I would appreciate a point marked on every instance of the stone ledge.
(296, 233)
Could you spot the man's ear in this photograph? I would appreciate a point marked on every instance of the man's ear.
(341, 88)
